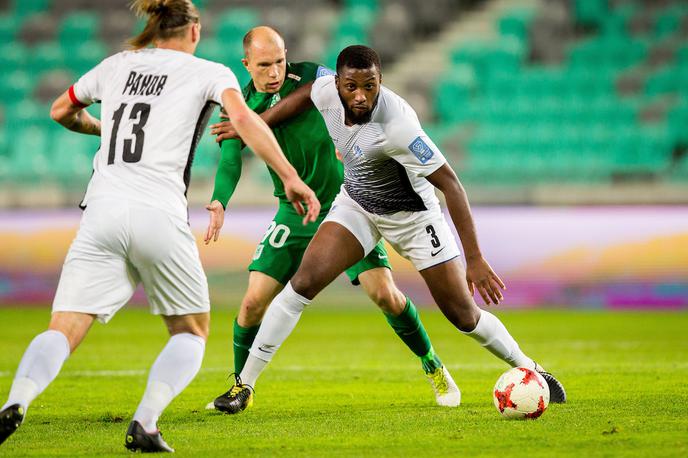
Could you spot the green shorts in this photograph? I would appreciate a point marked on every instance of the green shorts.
(279, 253)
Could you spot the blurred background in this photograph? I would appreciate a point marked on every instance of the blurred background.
(566, 120)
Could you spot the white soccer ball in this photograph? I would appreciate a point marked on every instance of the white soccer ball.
(521, 393)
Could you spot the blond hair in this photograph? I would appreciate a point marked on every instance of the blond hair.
(166, 19)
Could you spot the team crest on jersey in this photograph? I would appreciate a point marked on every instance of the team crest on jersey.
(421, 150)
(275, 98)
(323, 71)
(358, 151)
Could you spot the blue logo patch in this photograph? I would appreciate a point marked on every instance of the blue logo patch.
(421, 150)
(323, 71)
(357, 150)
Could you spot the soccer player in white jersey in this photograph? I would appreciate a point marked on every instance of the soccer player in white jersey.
(391, 168)
(155, 102)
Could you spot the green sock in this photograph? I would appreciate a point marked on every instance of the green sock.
(410, 329)
(243, 339)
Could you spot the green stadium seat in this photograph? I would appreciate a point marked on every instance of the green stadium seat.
(45, 57)
(71, 157)
(233, 25)
(516, 24)
(8, 28)
(13, 56)
(79, 27)
(84, 56)
(453, 93)
(16, 87)
(28, 161)
(371, 5)
(23, 8)
(590, 12)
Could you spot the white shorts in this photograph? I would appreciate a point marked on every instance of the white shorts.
(423, 237)
(120, 244)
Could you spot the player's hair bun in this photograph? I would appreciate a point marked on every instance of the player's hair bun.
(165, 19)
(153, 7)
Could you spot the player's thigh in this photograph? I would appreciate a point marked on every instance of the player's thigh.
(448, 286)
(261, 290)
(424, 238)
(374, 260)
(165, 254)
(333, 249)
(282, 247)
(96, 277)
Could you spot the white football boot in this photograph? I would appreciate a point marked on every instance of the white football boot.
(446, 391)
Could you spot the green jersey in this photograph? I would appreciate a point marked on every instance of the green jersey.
(304, 140)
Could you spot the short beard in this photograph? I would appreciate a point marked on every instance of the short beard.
(358, 119)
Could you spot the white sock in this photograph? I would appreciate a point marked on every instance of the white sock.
(491, 334)
(39, 366)
(279, 321)
(176, 365)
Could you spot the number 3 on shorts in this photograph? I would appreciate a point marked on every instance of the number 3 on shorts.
(276, 235)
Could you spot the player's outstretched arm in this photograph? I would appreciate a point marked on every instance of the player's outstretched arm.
(226, 180)
(258, 136)
(292, 105)
(73, 116)
(479, 274)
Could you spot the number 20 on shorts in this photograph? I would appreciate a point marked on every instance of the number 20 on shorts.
(276, 235)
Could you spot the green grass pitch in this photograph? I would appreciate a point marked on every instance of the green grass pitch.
(344, 385)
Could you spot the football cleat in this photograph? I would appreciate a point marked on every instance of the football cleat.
(557, 393)
(447, 393)
(238, 398)
(10, 419)
(138, 439)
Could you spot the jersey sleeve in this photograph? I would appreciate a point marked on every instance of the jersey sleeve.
(323, 91)
(217, 78)
(228, 171)
(310, 71)
(410, 145)
(90, 87)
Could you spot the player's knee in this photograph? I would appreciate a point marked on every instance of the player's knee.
(389, 299)
(303, 283)
(467, 320)
(252, 311)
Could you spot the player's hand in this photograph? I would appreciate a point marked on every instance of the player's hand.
(480, 276)
(217, 219)
(299, 194)
(224, 130)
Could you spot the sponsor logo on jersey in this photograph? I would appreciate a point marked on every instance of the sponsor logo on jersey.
(323, 71)
(275, 98)
(294, 77)
(140, 84)
(421, 150)
(358, 151)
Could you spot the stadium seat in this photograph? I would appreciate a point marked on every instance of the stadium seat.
(24, 8)
(79, 27)
(16, 87)
(84, 56)
(45, 57)
(8, 27)
(233, 25)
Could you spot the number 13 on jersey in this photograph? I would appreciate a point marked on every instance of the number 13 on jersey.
(139, 113)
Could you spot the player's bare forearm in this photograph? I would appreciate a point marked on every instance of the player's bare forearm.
(455, 195)
(292, 105)
(74, 117)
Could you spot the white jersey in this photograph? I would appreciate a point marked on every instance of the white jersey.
(386, 159)
(155, 106)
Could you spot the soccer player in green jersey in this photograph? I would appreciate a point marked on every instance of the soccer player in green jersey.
(307, 145)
